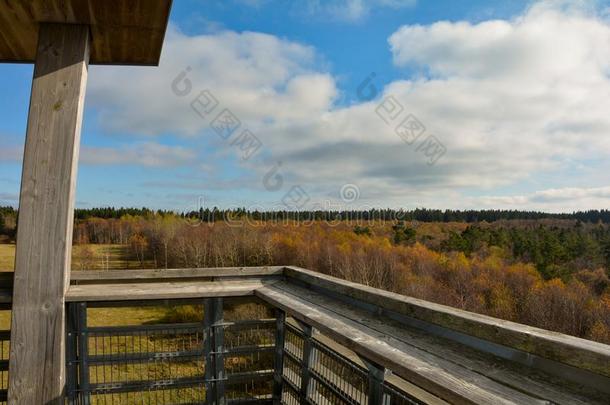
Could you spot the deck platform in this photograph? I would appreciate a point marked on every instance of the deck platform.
(445, 368)
(436, 354)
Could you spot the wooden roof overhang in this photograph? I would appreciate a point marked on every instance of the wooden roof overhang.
(124, 32)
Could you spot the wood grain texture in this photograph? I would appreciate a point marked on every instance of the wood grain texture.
(122, 31)
(46, 213)
(453, 384)
(404, 386)
(164, 290)
(580, 353)
(125, 276)
(435, 350)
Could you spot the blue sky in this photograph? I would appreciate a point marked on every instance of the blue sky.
(477, 104)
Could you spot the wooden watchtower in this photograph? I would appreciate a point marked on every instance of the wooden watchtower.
(329, 341)
(61, 38)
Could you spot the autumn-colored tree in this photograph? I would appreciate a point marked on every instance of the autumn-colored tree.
(138, 244)
(498, 269)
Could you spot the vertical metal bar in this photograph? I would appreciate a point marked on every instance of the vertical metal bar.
(219, 364)
(83, 353)
(208, 305)
(376, 393)
(71, 353)
(307, 361)
(278, 376)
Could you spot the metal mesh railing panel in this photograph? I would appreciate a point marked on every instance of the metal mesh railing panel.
(166, 364)
(332, 377)
(339, 379)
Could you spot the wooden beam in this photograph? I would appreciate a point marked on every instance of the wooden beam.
(141, 276)
(122, 32)
(46, 212)
(376, 380)
(450, 382)
(306, 361)
(278, 375)
(208, 321)
(434, 362)
(164, 290)
(576, 352)
(218, 332)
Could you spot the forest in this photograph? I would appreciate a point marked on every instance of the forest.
(547, 271)
(419, 214)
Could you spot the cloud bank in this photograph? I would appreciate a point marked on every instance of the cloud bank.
(515, 102)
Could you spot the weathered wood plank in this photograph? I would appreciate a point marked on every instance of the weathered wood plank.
(525, 379)
(392, 379)
(280, 329)
(46, 206)
(580, 353)
(164, 290)
(155, 275)
(454, 384)
(122, 32)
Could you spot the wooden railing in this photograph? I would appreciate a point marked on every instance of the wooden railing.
(332, 341)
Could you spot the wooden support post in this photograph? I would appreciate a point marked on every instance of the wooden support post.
(219, 347)
(307, 361)
(208, 310)
(214, 351)
(72, 354)
(83, 354)
(278, 375)
(46, 215)
(376, 394)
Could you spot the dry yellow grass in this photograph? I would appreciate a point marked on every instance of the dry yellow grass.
(84, 257)
(7, 257)
(93, 257)
(101, 257)
(104, 257)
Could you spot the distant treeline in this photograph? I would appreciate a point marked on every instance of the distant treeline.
(547, 270)
(547, 273)
(8, 215)
(419, 214)
(7, 211)
(116, 213)
(8, 221)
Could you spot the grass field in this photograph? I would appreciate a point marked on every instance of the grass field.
(7, 257)
(93, 257)
(84, 257)
(102, 257)
(105, 257)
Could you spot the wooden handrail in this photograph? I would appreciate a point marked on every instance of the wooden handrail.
(580, 353)
(157, 275)
(446, 351)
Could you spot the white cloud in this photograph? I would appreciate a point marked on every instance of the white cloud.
(544, 44)
(147, 154)
(511, 100)
(258, 75)
(566, 199)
